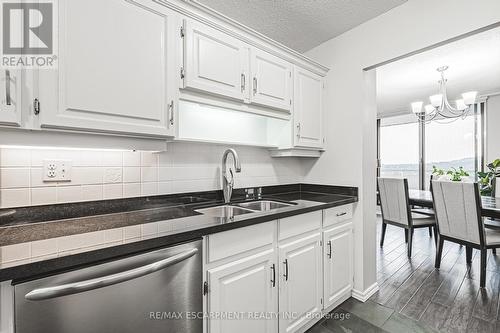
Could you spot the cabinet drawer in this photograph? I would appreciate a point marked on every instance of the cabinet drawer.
(232, 242)
(337, 214)
(299, 224)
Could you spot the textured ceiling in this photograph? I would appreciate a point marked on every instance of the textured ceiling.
(301, 24)
(474, 64)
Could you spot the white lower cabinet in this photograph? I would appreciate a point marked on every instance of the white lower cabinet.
(246, 286)
(337, 263)
(278, 276)
(300, 282)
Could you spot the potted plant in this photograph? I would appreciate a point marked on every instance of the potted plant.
(486, 179)
(454, 174)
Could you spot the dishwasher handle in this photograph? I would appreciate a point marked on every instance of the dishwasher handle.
(82, 286)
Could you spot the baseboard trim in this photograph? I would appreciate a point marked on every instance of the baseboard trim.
(363, 296)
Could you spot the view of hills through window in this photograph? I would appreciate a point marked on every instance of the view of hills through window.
(447, 145)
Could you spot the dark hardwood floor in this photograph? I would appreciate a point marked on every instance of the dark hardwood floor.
(415, 297)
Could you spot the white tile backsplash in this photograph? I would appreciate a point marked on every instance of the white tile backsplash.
(113, 175)
(112, 158)
(105, 174)
(113, 191)
(131, 174)
(15, 157)
(15, 197)
(149, 174)
(131, 190)
(87, 175)
(43, 195)
(14, 177)
(69, 194)
(131, 158)
(92, 192)
(149, 189)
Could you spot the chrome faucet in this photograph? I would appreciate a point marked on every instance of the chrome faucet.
(228, 180)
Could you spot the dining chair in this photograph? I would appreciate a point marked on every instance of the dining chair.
(426, 211)
(396, 210)
(458, 219)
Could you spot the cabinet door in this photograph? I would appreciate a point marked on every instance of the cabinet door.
(300, 282)
(116, 71)
(244, 286)
(10, 98)
(308, 109)
(271, 80)
(337, 263)
(215, 62)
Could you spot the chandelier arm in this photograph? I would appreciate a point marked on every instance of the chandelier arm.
(445, 110)
(427, 118)
(446, 102)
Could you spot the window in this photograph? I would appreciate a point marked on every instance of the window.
(405, 145)
(399, 152)
(452, 145)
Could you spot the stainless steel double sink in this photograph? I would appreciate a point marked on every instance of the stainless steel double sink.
(243, 208)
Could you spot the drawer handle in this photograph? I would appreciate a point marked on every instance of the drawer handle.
(243, 82)
(341, 214)
(273, 279)
(8, 100)
(329, 244)
(286, 269)
(171, 109)
(81, 286)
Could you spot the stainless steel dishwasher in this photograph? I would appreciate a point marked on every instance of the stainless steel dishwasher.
(158, 291)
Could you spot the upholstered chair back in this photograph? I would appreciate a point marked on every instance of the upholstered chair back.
(457, 206)
(393, 194)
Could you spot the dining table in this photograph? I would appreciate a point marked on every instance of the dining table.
(490, 207)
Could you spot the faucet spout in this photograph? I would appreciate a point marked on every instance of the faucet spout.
(228, 180)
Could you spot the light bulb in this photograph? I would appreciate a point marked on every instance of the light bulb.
(460, 104)
(469, 97)
(416, 107)
(436, 100)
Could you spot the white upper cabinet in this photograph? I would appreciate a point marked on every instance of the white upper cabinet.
(10, 101)
(301, 282)
(116, 69)
(308, 109)
(271, 80)
(215, 62)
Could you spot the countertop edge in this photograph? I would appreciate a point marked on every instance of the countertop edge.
(43, 268)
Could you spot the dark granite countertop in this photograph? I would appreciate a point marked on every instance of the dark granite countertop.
(44, 222)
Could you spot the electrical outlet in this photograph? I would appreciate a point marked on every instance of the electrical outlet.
(57, 170)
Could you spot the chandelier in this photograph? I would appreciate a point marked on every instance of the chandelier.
(440, 107)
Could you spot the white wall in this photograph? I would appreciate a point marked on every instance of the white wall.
(104, 174)
(492, 128)
(350, 122)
